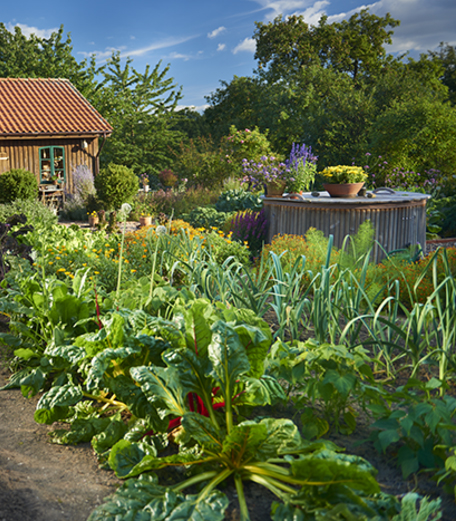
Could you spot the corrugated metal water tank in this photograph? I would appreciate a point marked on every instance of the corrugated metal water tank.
(399, 218)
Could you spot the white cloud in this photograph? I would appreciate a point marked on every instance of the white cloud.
(180, 56)
(221, 46)
(216, 32)
(27, 30)
(423, 24)
(248, 44)
(124, 53)
(163, 44)
(197, 108)
(275, 8)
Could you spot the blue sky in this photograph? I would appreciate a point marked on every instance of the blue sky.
(206, 41)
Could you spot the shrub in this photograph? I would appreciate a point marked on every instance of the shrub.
(116, 184)
(167, 178)
(245, 144)
(206, 217)
(238, 199)
(18, 184)
(201, 163)
(35, 211)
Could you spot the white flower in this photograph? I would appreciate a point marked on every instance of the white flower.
(126, 208)
(160, 230)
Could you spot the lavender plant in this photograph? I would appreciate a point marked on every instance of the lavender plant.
(83, 186)
(250, 227)
(303, 167)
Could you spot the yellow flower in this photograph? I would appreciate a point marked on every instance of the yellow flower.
(50, 262)
(133, 271)
(97, 272)
(61, 269)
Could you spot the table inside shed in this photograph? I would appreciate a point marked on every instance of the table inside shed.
(53, 196)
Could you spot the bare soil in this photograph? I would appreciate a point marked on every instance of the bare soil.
(40, 481)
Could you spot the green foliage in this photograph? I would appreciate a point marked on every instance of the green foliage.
(200, 161)
(35, 57)
(206, 217)
(356, 247)
(420, 429)
(18, 184)
(115, 185)
(238, 199)
(417, 133)
(446, 56)
(34, 210)
(140, 108)
(427, 509)
(331, 376)
(144, 498)
(245, 144)
(354, 46)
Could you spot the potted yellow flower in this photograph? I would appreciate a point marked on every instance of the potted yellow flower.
(145, 220)
(93, 219)
(343, 181)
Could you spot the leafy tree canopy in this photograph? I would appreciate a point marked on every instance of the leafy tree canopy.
(34, 57)
(139, 107)
(354, 46)
(446, 57)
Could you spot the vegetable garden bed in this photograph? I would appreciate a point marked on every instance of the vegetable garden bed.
(245, 375)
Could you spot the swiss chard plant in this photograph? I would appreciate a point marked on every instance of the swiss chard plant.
(205, 388)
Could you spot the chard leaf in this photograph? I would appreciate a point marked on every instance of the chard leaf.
(228, 357)
(255, 335)
(82, 431)
(64, 395)
(329, 467)
(198, 319)
(244, 440)
(111, 435)
(64, 356)
(25, 354)
(103, 361)
(163, 388)
(15, 380)
(143, 499)
(202, 430)
(261, 391)
(193, 372)
(131, 395)
(263, 440)
(125, 455)
(10, 340)
(32, 382)
(130, 461)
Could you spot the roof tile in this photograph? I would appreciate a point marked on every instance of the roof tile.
(46, 106)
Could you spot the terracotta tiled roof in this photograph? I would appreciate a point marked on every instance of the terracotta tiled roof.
(40, 106)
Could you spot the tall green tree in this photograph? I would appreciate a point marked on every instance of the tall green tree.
(35, 57)
(354, 46)
(446, 57)
(140, 108)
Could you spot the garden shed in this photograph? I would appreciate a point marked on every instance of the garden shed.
(48, 128)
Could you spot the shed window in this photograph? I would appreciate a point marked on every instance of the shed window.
(52, 164)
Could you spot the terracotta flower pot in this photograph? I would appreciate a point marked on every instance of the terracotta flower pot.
(343, 190)
(276, 188)
(93, 220)
(145, 220)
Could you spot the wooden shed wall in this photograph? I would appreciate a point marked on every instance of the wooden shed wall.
(24, 153)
